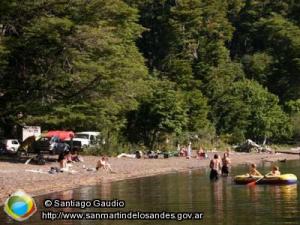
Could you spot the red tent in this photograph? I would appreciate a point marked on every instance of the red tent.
(62, 135)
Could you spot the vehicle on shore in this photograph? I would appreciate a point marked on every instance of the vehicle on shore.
(9, 145)
(87, 138)
(52, 142)
(48, 145)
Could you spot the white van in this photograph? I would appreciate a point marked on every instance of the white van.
(10, 145)
(87, 138)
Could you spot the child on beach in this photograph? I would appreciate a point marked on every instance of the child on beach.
(103, 163)
(253, 171)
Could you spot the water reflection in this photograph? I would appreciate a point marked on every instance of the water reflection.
(217, 199)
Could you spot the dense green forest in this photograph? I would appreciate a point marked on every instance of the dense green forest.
(146, 71)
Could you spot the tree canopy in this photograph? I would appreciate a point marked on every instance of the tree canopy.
(140, 71)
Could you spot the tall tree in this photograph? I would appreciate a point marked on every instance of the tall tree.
(252, 112)
(70, 64)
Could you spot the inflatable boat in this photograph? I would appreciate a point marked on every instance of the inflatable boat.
(282, 179)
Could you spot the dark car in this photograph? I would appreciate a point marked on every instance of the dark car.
(45, 145)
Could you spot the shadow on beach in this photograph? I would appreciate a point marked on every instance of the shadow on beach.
(32, 158)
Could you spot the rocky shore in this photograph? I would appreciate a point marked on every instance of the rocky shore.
(35, 179)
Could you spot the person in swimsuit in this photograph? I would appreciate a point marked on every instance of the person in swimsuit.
(253, 171)
(226, 162)
(215, 166)
(275, 171)
(103, 163)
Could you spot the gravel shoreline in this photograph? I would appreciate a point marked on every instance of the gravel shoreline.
(14, 176)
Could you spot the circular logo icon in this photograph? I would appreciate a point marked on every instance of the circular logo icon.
(20, 206)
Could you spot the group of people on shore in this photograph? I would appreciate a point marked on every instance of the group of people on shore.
(219, 166)
(187, 152)
(67, 158)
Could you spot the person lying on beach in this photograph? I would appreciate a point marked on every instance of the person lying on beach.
(136, 155)
(253, 171)
(103, 163)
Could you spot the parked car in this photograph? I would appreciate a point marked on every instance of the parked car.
(9, 145)
(47, 145)
(87, 138)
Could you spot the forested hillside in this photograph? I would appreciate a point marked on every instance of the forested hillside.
(146, 71)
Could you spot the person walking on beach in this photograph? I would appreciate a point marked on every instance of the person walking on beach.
(215, 167)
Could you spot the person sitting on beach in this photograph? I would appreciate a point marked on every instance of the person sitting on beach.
(103, 163)
(138, 154)
(215, 166)
(68, 157)
(226, 162)
(183, 151)
(152, 155)
(253, 171)
(76, 157)
(201, 154)
(64, 160)
(274, 172)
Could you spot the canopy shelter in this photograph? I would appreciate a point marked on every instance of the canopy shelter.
(62, 135)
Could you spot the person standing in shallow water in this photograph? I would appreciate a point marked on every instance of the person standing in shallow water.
(215, 167)
(226, 163)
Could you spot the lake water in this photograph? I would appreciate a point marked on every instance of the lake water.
(221, 202)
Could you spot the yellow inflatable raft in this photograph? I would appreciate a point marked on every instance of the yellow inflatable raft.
(282, 179)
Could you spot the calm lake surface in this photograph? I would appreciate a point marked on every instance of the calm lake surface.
(222, 202)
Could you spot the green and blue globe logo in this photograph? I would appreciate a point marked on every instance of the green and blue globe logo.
(20, 206)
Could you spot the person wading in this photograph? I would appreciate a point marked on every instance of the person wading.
(215, 166)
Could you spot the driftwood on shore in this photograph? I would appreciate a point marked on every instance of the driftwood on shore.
(251, 146)
(288, 152)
